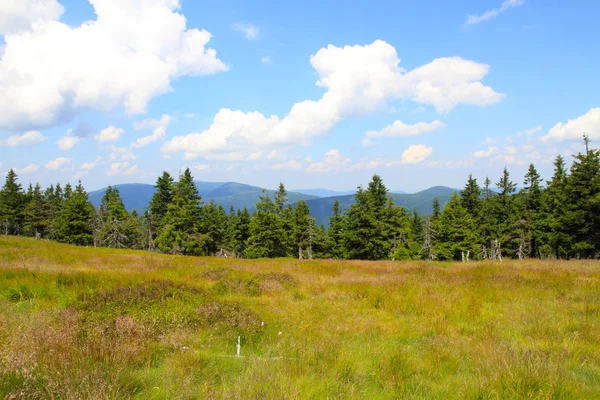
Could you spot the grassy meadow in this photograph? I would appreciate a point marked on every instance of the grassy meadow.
(101, 323)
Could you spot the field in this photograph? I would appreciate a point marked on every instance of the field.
(101, 323)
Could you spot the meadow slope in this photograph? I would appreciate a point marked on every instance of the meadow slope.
(100, 323)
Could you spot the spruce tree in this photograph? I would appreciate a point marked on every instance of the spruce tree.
(532, 200)
(267, 235)
(74, 220)
(12, 203)
(556, 240)
(456, 236)
(35, 222)
(471, 196)
(335, 231)
(160, 201)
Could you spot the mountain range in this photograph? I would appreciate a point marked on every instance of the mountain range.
(136, 196)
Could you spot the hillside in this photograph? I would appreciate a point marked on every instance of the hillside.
(136, 196)
(99, 323)
(321, 208)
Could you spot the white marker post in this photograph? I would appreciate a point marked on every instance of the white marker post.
(238, 348)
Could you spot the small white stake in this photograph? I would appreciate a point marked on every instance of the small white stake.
(238, 347)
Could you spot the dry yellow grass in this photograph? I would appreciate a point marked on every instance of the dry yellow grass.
(99, 323)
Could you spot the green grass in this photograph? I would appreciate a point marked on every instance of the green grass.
(100, 323)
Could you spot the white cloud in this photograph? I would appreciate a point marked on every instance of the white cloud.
(58, 163)
(249, 30)
(90, 165)
(27, 169)
(80, 174)
(122, 168)
(109, 134)
(291, 164)
(416, 154)
(333, 160)
(490, 140)
(67, 142)
(159, 130)
(358, 80)
(493, 13)
(491, 150)
(275, 155)
(121, 58)
(400, 129)
(588, 123)
(26, 139)
(266, 60)
(20, 15)
(529, 132)
(201, 167)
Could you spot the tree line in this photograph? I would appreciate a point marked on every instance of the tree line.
(556, 219)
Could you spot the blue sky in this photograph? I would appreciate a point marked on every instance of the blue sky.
(311, 93)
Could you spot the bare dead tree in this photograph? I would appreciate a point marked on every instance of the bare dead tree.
(428, 239)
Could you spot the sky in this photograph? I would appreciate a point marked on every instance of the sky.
(315, 94)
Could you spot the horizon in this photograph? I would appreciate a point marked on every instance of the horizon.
(268, 93)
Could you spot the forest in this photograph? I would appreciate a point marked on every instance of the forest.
(558, 218)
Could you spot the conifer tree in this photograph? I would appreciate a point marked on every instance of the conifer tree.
(267, 236)
(160, 201)
(335, 232)
(556, 240)
(532, 200)
(35, 222)
(471, 196)
(456, 237)
(582, 217)
(12, 200)
(74, 219)
(180, 234)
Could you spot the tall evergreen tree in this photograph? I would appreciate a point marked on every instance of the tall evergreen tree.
(335, 231)
(160, 201)
(35, 221)
(456, 237)
(532, 200)
(471, 196)
(12, 201)
(267, 235)
(73, 224)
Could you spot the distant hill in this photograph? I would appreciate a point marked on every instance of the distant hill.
(321, 208)
(136, 196)
(324, 192)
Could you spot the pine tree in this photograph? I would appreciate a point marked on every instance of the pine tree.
(505, 213)
(582, 217)
(12, 203)
(74, 220)
(180, 234)
(303, 229)
(555, 239)
(267, 235)
(335, 232)
(435, 206)
(532, 200)
(160, 201)
(471, 196)
(456, 237)
(34, 216)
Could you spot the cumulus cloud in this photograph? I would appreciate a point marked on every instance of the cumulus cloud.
(90, 165)
(529, 132)
(125, 57)
(266, 60)
(249, 30)
(573, 129)
(27, 169)
(400, 129)
(333, 160)
(158, 127)
(17, 16)
(67, 142)
(357, 80)
(493, 13)
(57, 163)
(491, 150)
(416, 154)
(26, 139)
(122, 168)
(109, 134)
